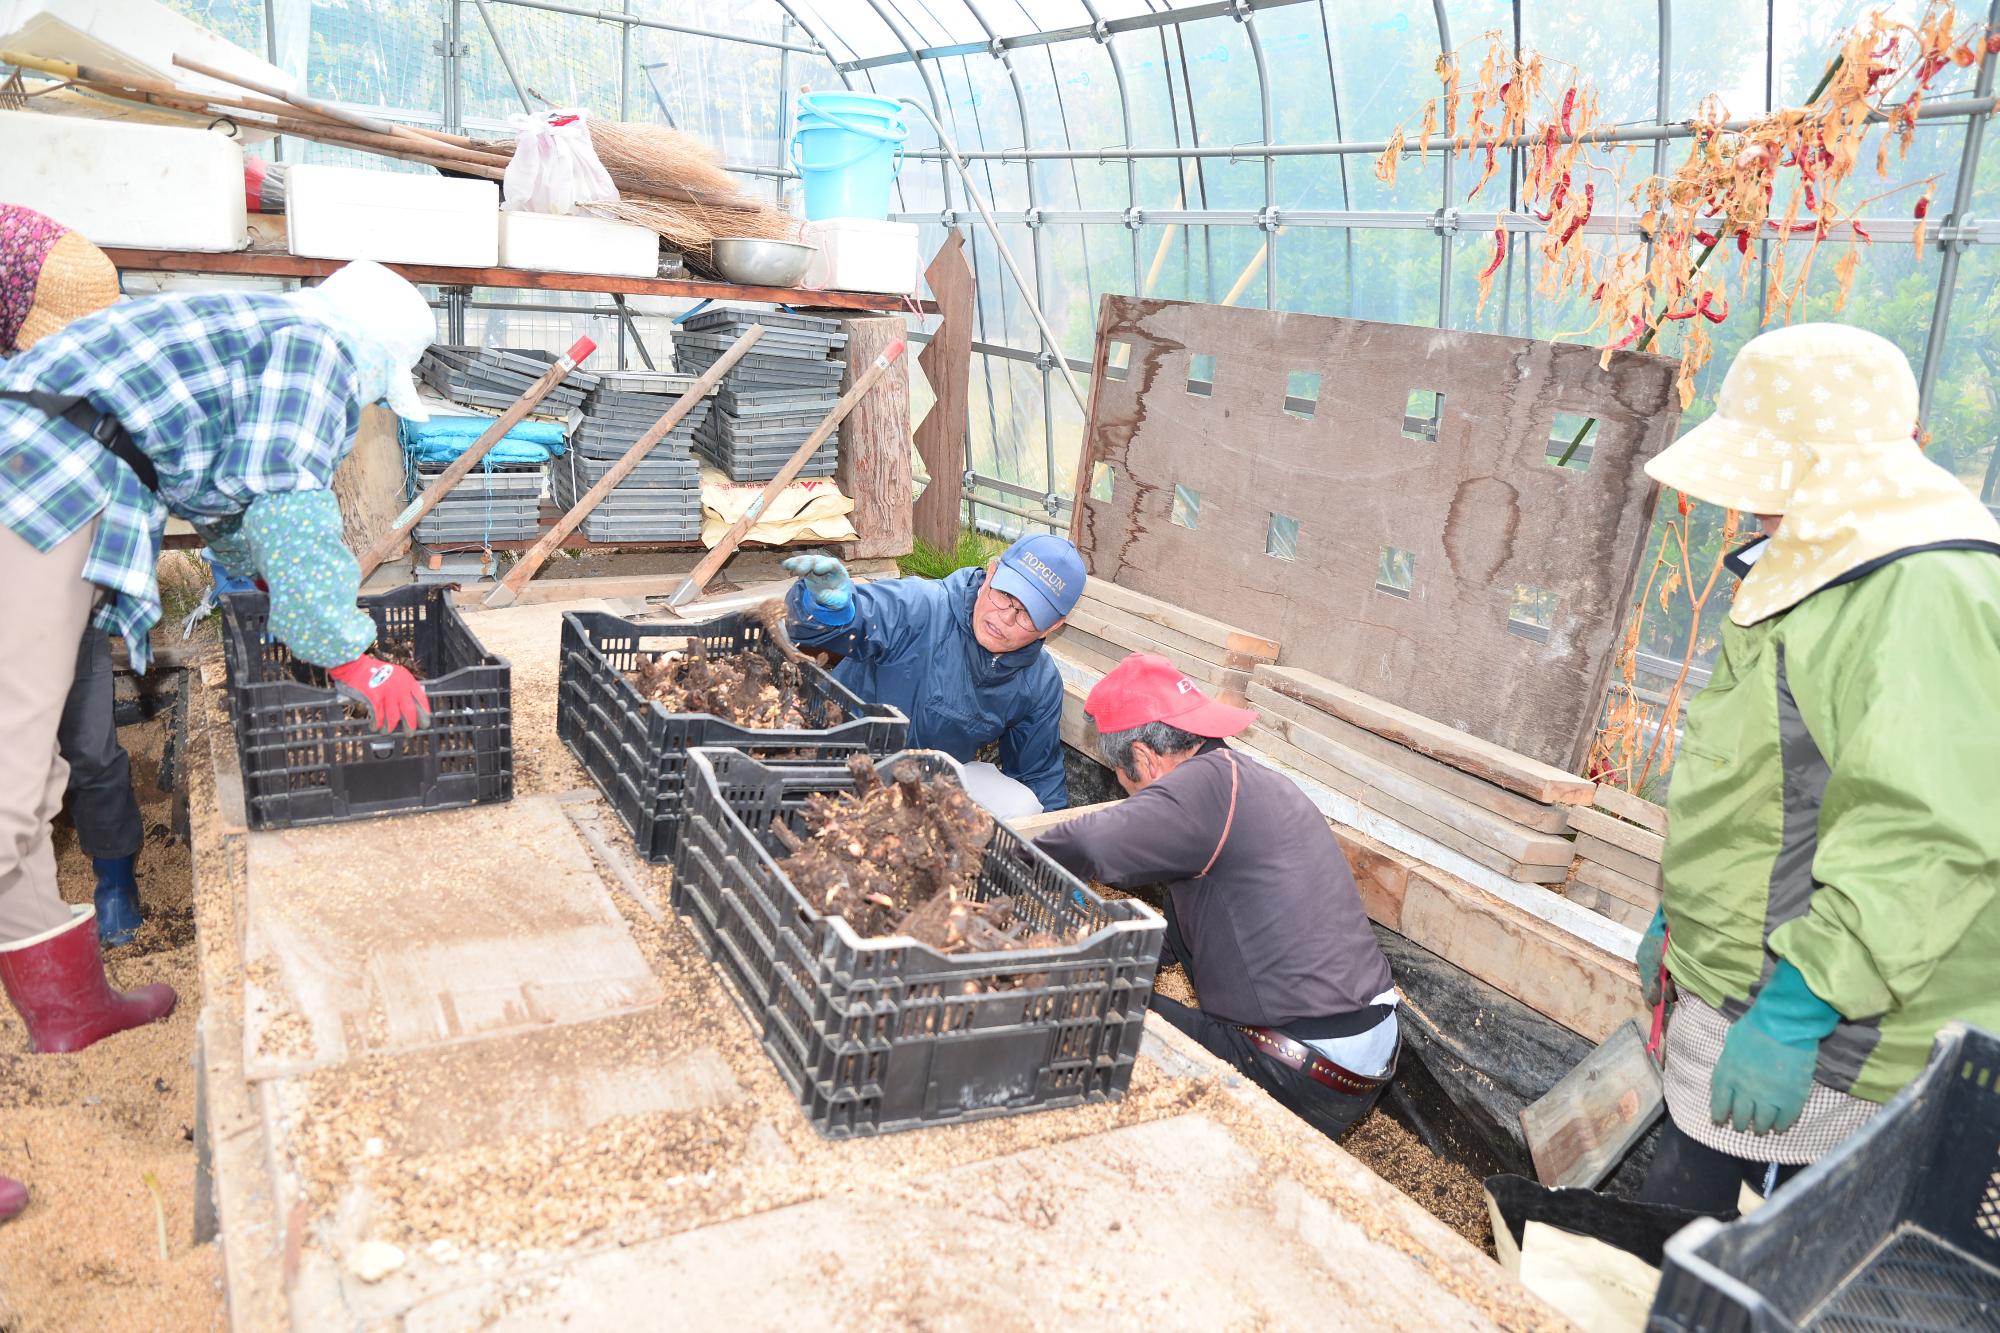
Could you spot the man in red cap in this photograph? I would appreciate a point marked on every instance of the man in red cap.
(1261, 906)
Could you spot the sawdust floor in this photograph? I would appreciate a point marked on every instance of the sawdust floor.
(1449, 1191)
(87, 1132)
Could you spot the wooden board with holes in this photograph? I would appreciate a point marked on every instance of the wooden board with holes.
(357, 943)
(1618, 801)
(1489, 523)
(1415, 817)
(1629, 864)
(1537, 815)
(1627, 837)
(1496, 764)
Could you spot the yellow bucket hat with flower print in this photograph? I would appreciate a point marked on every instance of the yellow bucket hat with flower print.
(1815, 422)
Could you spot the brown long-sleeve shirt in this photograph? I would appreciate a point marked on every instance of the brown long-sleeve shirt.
(1275, 928)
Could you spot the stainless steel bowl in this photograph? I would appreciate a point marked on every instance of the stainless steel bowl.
(760, 263)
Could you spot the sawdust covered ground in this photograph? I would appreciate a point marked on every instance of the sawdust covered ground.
(1447, 1190)
(87, 1131)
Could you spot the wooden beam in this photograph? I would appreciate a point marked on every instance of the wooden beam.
(1625, 805)
(1101, 653)
(1031, 826)
(369, 482)
(1438, 829)
(257, 264)
(1172, 617)
(1618, 833)
(1624, 888)
(1629, 864)
(1495, 763)
(875, 440)
(947, 363)
(1142, 635)
(1520, 809)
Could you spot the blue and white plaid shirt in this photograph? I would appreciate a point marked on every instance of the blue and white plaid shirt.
(231, 395)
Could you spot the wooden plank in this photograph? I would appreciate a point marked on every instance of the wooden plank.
(1629, 864)
(257, 264)
(1170, 616)
(1078, 731)
(1634, 892)
(1586, 989)
(947, 364)
(875, 440)
(1032, 826)
(1618, 833)
(1476, 505)
(1142, 635)
(1085, 651)
(1512, 840)
(1409, 816)
(369, 481)
(1625, 805)
(1105, 653)
(1503, 767)
(1521, 810)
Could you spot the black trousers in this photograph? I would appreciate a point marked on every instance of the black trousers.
(101, 801)
(1331, 1113)
(1689, 1174)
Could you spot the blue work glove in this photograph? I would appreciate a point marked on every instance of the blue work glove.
(825, 578)
(1652, 948)
(1761, 1082)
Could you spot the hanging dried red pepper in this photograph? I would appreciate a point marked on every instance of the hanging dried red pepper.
(1556, 199)
(1706, 308)
(1583, 216)
(1569, 105)
(1638, 327)
(1499, 253)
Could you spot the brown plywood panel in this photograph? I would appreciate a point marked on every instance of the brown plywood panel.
(947, 363)
(1486, 519)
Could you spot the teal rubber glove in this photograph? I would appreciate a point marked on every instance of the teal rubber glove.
(1652, 947)
(825, 578)
(1761, 1082)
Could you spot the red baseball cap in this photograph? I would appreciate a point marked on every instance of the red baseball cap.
(1146, 687)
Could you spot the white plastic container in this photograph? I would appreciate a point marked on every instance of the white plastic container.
(392, 217)
(150, 187)
(863, 255)
(578, 245)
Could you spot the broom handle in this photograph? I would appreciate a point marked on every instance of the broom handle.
(533, 559)
(697, 581)
(325, 110)
(465, 462)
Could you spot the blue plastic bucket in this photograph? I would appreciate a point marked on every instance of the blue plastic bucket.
(848, 148)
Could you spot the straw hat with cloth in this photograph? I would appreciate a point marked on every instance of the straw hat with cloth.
(49, 275)
(1815, 422)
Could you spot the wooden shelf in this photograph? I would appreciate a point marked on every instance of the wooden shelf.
(264, 264)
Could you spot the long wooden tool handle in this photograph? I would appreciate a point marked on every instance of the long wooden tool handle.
(533, 559)
(703, 572)
(399, 531)
(373, 124)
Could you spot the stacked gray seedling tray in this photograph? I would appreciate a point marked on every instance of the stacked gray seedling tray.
(660, 499)
(877, 1035)
(493, 378)
(497, 504)
(773, 398)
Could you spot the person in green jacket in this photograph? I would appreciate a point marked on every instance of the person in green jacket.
(1832, 865)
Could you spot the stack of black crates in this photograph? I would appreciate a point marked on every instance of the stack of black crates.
(773, 398)
(660, 499)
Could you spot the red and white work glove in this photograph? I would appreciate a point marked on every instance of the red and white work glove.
(391, 694)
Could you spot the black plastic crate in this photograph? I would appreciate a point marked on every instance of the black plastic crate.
(1897, 1228)
(636, 751)
(306, 761)
(879, 1035)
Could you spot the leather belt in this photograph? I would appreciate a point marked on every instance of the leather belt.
(1295, 1054)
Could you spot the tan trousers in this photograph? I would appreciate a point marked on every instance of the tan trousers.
(47, 605)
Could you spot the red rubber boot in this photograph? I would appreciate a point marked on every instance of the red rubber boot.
(13, 1197)
(56, 981)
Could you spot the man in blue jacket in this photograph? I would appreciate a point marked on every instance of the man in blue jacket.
(960, 656)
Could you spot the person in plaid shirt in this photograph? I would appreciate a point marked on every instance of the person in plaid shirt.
(231, 410)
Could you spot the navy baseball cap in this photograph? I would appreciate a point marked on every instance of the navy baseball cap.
(1043, 573)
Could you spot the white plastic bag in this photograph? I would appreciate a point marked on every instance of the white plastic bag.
(554, 166)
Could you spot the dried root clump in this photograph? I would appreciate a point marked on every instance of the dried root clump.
(904, 859)
(742, 687)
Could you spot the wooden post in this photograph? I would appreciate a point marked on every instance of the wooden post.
(947, 363)
(875, 440)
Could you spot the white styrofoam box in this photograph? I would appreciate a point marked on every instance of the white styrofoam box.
(393, 217)
(152, 187)
(578, 245)
(863, 255)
